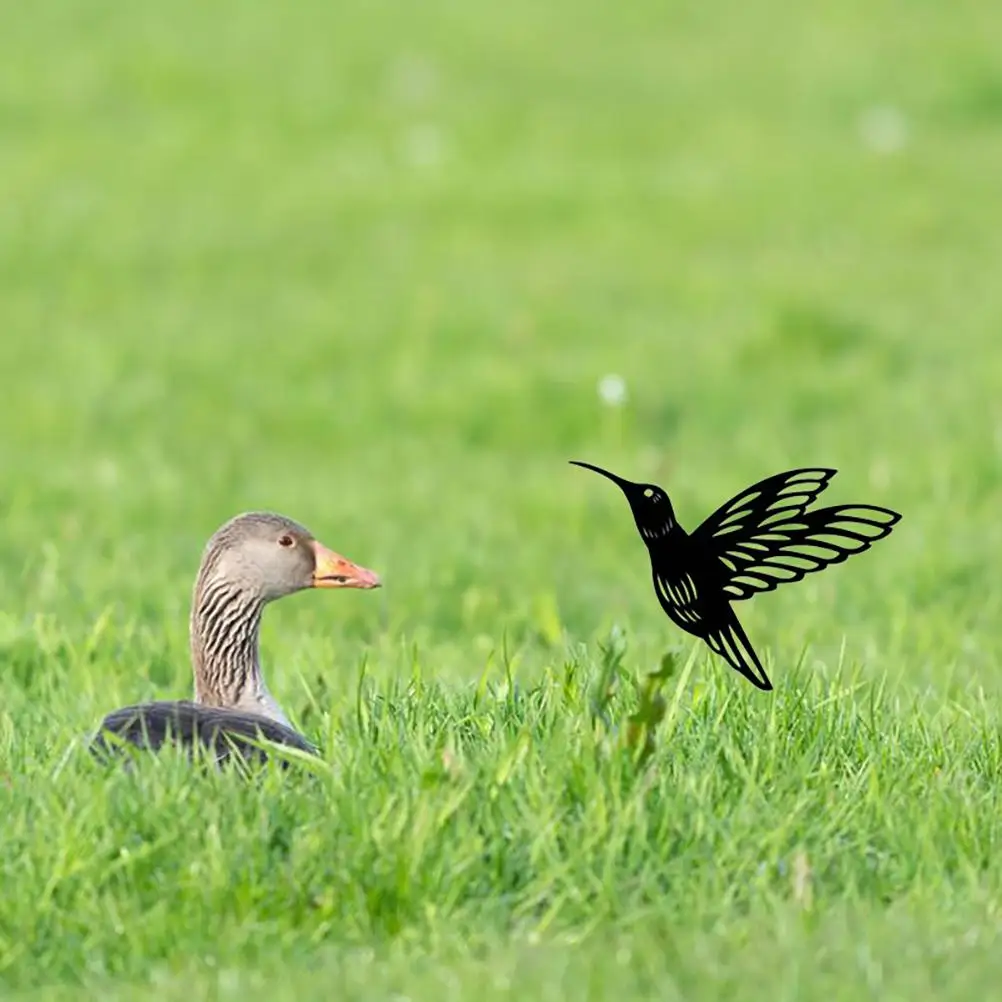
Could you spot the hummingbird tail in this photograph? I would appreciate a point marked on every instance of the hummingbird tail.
(732, 643)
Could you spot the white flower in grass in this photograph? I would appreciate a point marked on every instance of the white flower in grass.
(883, 129)
(612, 390)
(880, 474)
(424, 146)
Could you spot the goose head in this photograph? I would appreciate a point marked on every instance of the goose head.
(269, 556)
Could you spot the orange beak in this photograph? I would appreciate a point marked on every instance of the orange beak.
(334, 571)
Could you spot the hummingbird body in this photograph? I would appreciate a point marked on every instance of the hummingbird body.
(689, 583)
(753, 543)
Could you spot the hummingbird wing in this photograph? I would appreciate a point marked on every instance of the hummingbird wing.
(765, 536)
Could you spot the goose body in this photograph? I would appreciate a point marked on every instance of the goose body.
(249, 562)
(219, 730)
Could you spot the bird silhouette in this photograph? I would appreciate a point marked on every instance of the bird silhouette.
(760, 539)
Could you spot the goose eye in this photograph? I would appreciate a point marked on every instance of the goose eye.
(286, 541)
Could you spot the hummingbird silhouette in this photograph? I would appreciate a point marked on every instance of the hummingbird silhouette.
(760, 539)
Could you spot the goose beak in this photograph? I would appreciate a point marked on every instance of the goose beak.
(331, 570)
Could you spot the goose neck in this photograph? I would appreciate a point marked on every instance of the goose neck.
(225, 631)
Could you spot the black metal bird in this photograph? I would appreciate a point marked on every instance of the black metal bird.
(755, 542)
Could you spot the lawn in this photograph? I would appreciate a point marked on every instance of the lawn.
(367, 264)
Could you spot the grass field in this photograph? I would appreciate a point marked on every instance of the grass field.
(366, 264)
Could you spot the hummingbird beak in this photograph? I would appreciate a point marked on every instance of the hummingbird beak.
(624, 485)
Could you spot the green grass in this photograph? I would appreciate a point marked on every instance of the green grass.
(365, 264)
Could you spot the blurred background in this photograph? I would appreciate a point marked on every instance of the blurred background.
(387, 267)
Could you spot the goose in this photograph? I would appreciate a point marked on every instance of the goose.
(250, 561)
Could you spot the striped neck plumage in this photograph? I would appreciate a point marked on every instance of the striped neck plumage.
(225, 629)
(654, 532)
